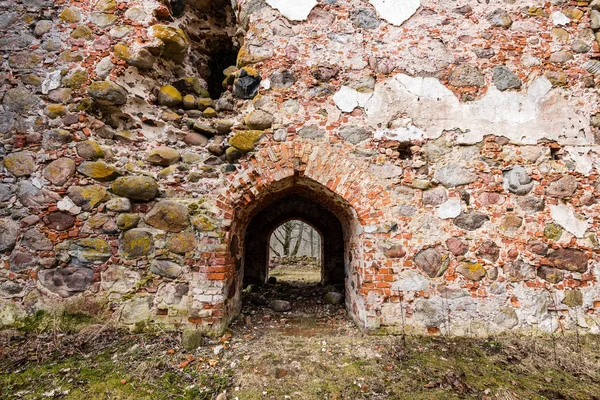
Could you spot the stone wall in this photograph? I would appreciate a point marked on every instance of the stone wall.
(454, 141)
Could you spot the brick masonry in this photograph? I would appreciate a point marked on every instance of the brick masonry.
(454, 142)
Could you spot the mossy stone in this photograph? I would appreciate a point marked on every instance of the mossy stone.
(108, 93)
(75, 80)
(244, 141)
(553, 232)
(70, 15)
(137, 243)
(142, 188)
(82, 32)
(54, 111)
(127, 221)
(175, 41)
(472, 271)
(98, 170)
(169, 96)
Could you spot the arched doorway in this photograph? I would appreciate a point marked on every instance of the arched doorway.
(304, 199)
(258, 234)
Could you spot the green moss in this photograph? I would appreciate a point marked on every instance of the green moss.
(244, 140)
(553, 232)
(75, 80)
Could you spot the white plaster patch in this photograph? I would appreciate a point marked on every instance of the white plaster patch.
(449, 209)
(295, 10)
(347, 98)
(410, 280)
(523, 117)
(66, 204)
(565, 217)
(51, 82)
(582, 158)
(558, 18)
(395, 11)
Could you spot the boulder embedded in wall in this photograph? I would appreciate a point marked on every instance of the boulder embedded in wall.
(466, 75)
(169, 216)
(500, 18)
(107, 93)
(137, 243)
(66, 281)
(429, 312)
(505, 79)
(573, 298)
(432, 262)
(118, 279)
(59, 221)
(20, 101)
(169, 96)
(516, 180)
(89, 251)
(9, 232)
(552, 275)
(507, 318)
(569, 259)
(88, 197)
(246, 83)
(20, 261)
(98, 170)
(259, 120)
(59, 171)
(435, 197)
(457, 246)
(163, 156)
(519, 271)
(471, 220)
(489, 250)
(182, 242)
(175, 43)
(127, 221)
(166, 269)
(142, 188)
(244, 141)
(354, 134)
(562, 188)
(89, 150)
(20, 164)
(454, 175)
(396, 251)
(472, 271)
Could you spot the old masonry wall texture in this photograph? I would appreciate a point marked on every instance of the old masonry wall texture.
(455, 140)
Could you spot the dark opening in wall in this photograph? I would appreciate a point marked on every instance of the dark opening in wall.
(405, 151)
(212, 28)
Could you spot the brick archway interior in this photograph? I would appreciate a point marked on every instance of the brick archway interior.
(291, 207)
(298, 197)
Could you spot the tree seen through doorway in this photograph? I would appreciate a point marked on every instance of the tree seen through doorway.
(295, 253)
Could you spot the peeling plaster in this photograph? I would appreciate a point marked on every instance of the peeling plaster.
(523, 117)
(394, 11)
(295, 10)
(565, 217)
(347, 98)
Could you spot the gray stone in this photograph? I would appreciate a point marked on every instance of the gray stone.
(166, 269)
(499, 18)
(59, 171)
(119, 204)
(282, 79)
(56, 138)
(98, 170)
(354, 134)
(87, 251)
(20, 261)
(6, 192)
(311, 132)
(471, 220)
(453, 175)
(579, 46)
(169, 216)
(259, 120)
(137, 243)
(66, 281)
(42, 27)
(36, 240)
(561, 57)
(21, 101)
(516, 180)
(365, 18)
(108, 93)
(141, 188)
(9, 231)
(431, 261)
(88, 197)
(562, 188)
(506, 318)
(280, 305)
(435, 197)
(466, 75)
(136, 310)
(334, 298)
(519, 271)
(505, 79)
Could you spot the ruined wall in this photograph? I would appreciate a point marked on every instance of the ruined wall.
(454, 140)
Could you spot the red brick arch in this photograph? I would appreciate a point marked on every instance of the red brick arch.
(326, 174)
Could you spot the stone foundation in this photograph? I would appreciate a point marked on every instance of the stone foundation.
(445, 151)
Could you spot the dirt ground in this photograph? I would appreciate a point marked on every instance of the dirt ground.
(310, 352)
